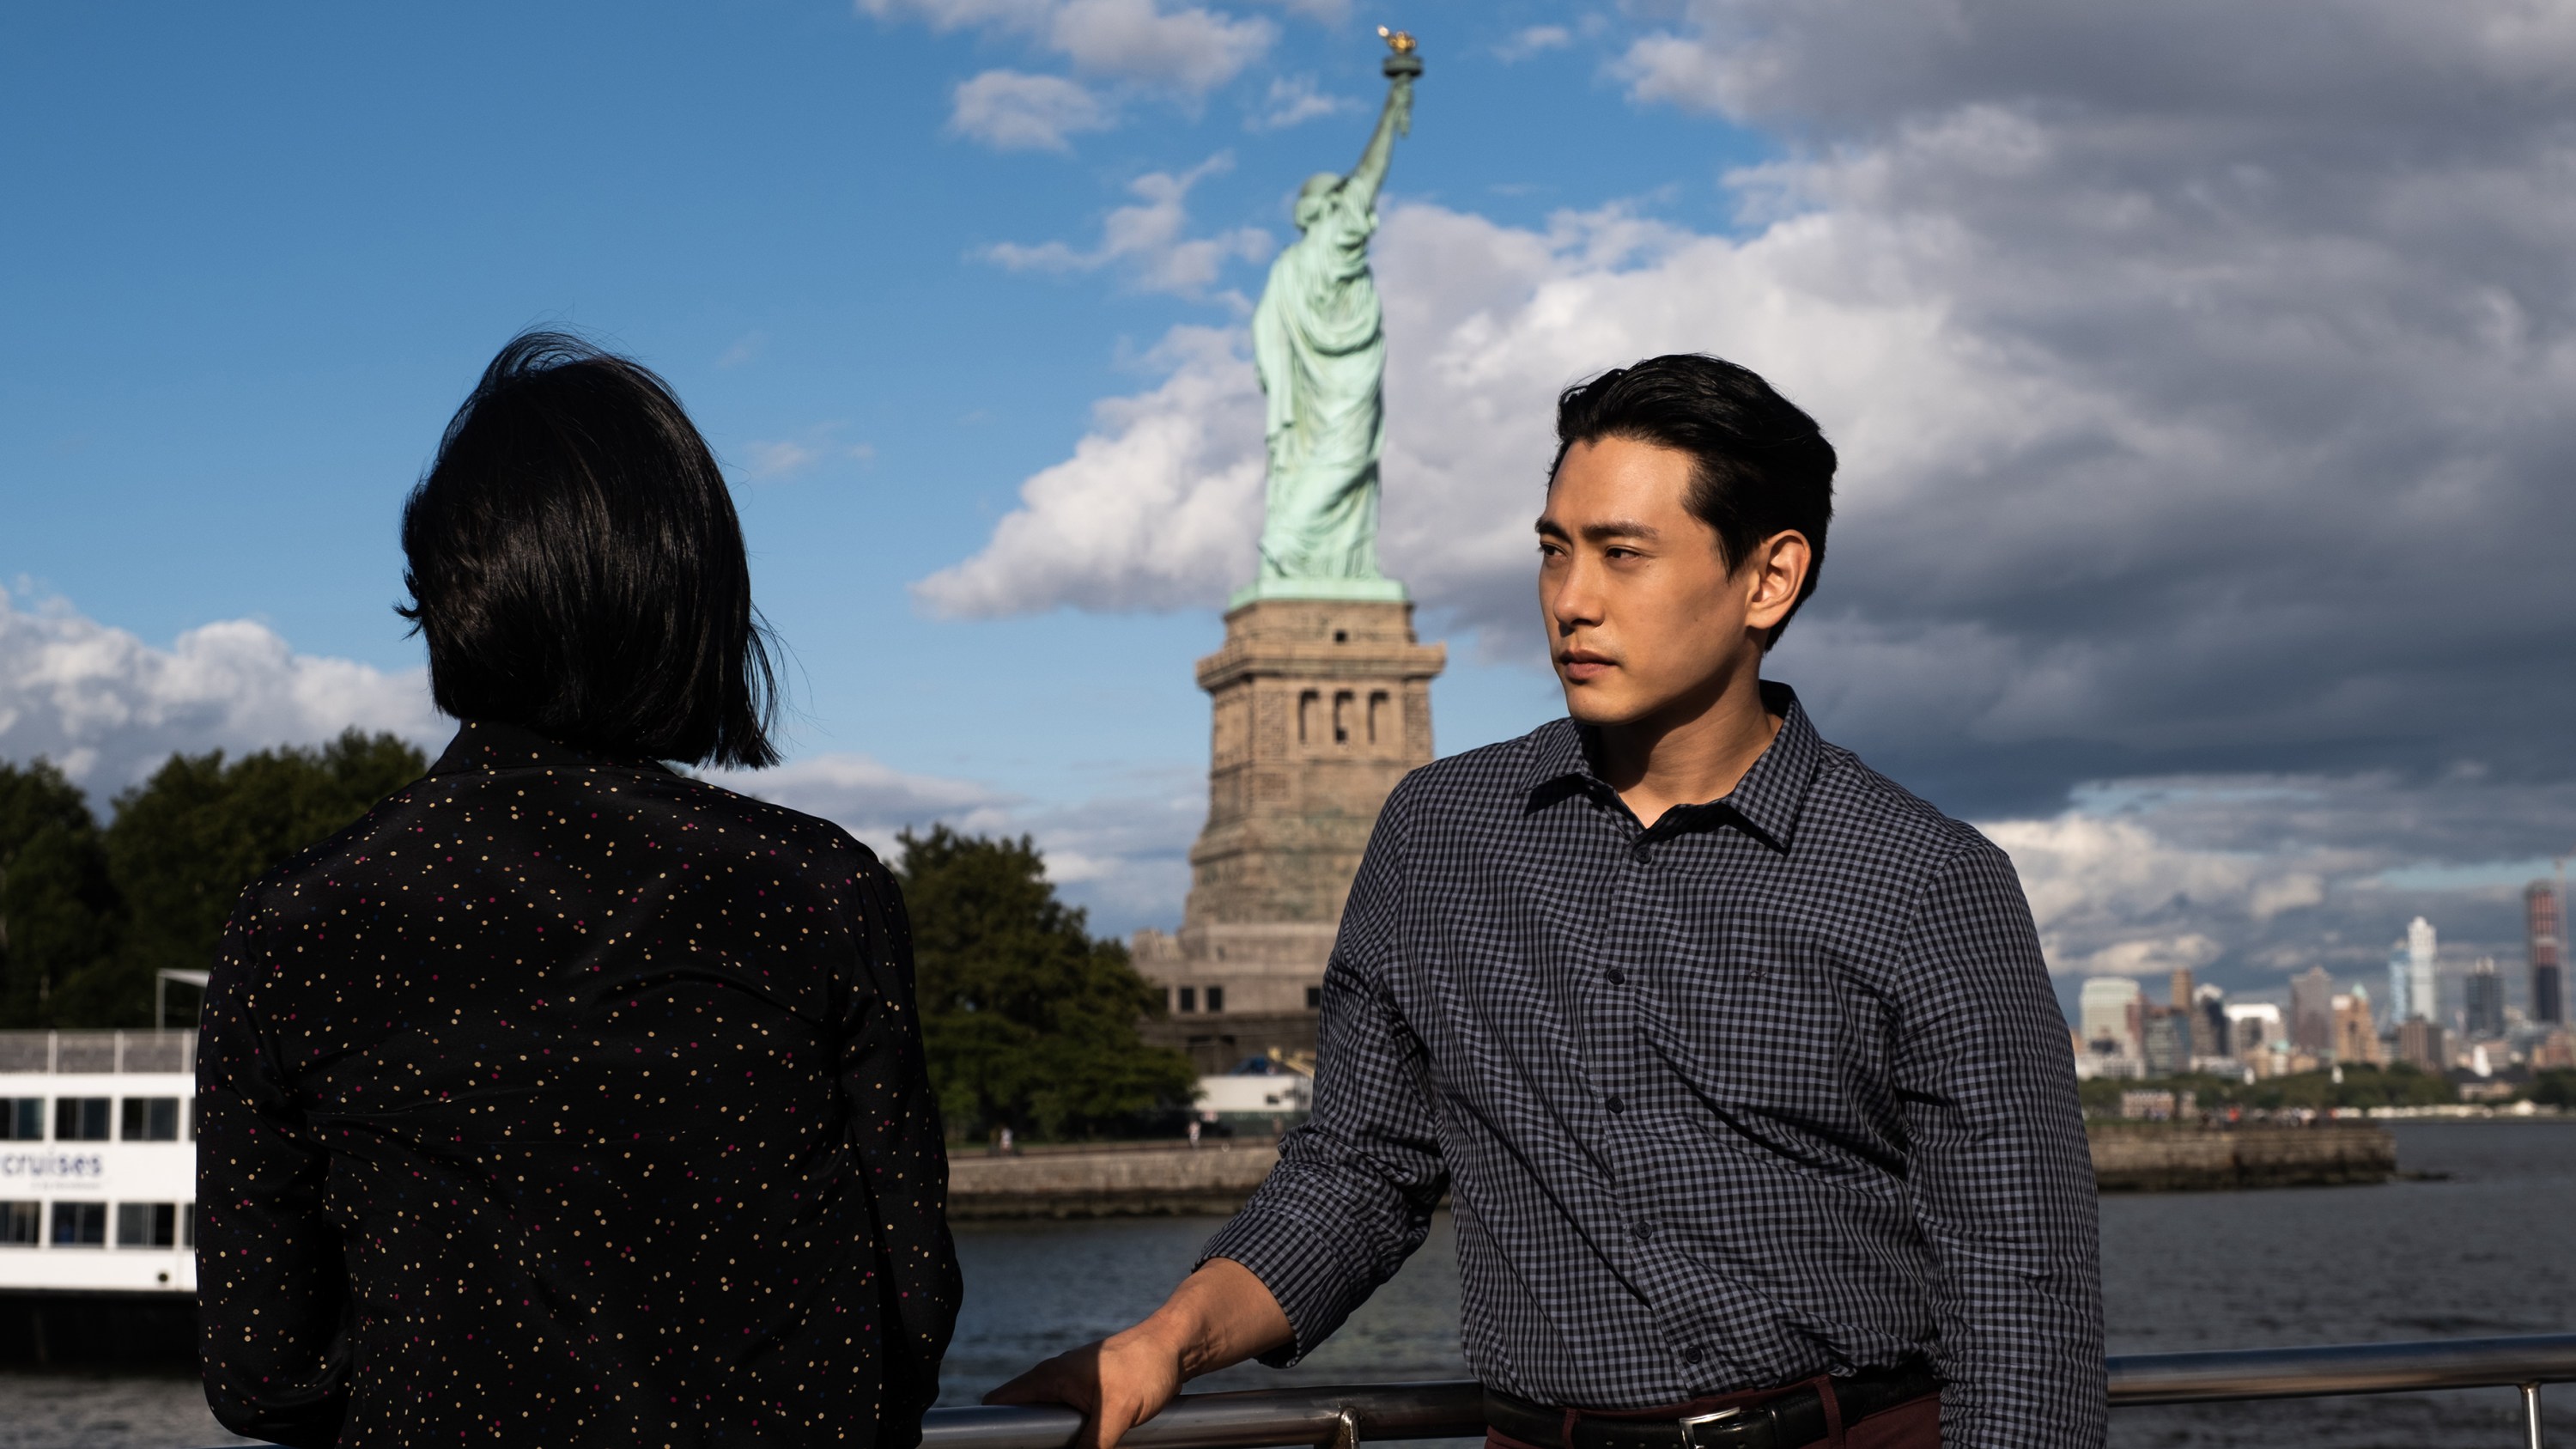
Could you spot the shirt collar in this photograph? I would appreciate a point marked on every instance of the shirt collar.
(1766, 801)
(491, 745)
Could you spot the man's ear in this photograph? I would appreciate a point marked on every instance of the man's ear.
(1774, 572)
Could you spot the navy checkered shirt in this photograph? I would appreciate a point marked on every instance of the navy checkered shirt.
(1776, 1088)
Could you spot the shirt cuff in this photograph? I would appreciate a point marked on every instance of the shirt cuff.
(1302, 1267)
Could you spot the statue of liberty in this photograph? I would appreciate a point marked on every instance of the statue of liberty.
(1321, 353)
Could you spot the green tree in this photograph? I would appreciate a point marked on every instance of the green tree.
(188, 840)
(59, 911)
(1029, 1022)
(2553, 1087)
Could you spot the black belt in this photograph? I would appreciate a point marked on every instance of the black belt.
(1793, 1419)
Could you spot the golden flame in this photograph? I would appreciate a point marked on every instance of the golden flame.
(1399, 41)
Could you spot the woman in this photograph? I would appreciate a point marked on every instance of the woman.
(565, 1099)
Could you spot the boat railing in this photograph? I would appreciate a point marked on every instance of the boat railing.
(1351, 1415)
(57, 1052)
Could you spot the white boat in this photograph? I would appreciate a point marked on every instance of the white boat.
(98, 1164)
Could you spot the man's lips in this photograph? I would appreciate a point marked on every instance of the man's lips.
(1583, 664)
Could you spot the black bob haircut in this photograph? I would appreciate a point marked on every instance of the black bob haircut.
(1760, 466)
(577, 568)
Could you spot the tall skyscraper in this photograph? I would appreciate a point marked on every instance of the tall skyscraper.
(2210, 1036)
(2485, 992)
(2542, 913)
(2356, 1033)
(2109, 1010)
(2165, 1043)
(2312, 1010)
(2400, 983)
(2423, 986)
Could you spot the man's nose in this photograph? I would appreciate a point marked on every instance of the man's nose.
(1573, 597)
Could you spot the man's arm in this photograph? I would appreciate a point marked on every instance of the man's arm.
(1350, 1199)
(1219, 1316)
(1393, 119)
(2001, 1178)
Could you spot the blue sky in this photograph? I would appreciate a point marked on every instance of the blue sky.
(2199, 378)
(276, 248)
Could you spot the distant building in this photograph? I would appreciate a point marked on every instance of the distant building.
(2400, 984)
(2484, 989)
(2167, 1044)
(2419, 1044)
(2253, 1028)
(2210, 1036)
(2423, 983)
(2110, 1014)
(2356, 1035)
(2312, 1011)
(2545, 916)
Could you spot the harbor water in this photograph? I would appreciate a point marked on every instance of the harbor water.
(2480, 1249)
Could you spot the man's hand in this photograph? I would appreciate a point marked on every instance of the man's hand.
(1220, 1315)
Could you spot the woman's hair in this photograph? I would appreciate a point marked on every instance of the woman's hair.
(1759, 466)
(576, 566)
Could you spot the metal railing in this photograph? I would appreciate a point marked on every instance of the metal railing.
(1353, 1415)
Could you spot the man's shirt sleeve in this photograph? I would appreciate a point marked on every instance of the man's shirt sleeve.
(1355, 1186)
(2001, 1176)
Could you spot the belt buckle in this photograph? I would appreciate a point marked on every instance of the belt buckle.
(1738, 1428)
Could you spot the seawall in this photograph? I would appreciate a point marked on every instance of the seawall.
(1131, 1182)
(1147, 1181)
(2162, 1158)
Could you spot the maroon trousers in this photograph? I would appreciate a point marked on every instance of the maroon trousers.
(1914, 1424)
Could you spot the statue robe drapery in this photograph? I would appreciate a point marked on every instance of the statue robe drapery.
(1318, 343)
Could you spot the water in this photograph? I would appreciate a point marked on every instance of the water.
(2485, 1251)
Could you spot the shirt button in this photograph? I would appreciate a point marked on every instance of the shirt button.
(1639, 853)
(1691, 1354)
(1617, 1106)
(1618, 977)
(1642, 1232)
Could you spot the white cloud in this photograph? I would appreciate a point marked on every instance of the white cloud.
(2203, 410)
(1188, 49)
(1148, 239)
(1124, 856)
(108, 708)
(775, 458)
(871, 800)
(1156, 510)
(1293, 101)
(1013, 111)
(1532, 40)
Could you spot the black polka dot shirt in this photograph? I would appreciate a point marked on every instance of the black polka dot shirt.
(569, 1101)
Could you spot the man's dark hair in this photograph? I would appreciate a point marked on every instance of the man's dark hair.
(576, 566)
(1760, 466)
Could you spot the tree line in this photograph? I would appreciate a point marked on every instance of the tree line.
(1029, 1022)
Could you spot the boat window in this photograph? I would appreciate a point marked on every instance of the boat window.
(150, 1119)
(187, 1225)
(19, 1223)
(147, 1224)
(80, 1224)
(22, 1119)
(81, 1119)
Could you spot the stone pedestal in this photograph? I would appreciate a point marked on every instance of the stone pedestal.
(1321, 706)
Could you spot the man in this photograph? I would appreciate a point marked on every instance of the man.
(1739, 1063)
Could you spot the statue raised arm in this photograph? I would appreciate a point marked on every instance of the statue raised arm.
(1318, 345)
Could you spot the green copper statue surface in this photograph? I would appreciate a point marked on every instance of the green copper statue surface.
(1321, 352)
